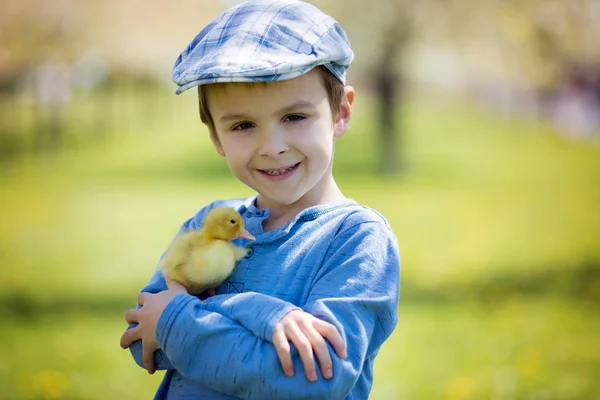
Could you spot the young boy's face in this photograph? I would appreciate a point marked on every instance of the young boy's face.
(278, 137)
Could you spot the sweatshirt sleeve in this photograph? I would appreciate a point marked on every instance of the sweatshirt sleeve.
(161, 362)
(357, 290)
(231, 306)
(157, 284)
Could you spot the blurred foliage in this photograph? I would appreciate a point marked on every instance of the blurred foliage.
(522, 42)
(498, 219)
(143, 40)
(498, 223)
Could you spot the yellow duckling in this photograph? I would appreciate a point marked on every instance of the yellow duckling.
(202, 259)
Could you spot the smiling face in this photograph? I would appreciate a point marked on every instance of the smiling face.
(278, 137)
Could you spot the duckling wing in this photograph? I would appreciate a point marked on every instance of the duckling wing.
(211, 264)
(178, 255)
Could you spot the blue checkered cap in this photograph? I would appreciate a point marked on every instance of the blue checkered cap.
(263, 40)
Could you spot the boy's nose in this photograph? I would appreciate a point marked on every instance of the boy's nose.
(272, 144)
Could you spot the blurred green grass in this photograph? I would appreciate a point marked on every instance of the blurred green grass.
(498, 223)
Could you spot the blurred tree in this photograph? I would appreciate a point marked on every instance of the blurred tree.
(45, 50)
(382, 33)
(559, 44)
(522, 51)
(546, 35)
(544, 50)
(386, 82)
(38, 39)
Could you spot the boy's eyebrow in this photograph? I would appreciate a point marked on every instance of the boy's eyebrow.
(296, 105)
(233, 117)
(291, 107)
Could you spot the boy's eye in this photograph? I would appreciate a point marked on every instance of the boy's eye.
(294, 118)
(242, 126)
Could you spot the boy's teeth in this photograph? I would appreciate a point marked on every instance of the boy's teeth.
(279, 172)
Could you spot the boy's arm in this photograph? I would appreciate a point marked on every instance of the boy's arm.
(231, 306)
(161, 362)
(234, 307)
(157, 284)
(357, 291)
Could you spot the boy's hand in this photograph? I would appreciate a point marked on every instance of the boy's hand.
(146, 317)
(307, 333)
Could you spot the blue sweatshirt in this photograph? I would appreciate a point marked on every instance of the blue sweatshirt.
(339, 262)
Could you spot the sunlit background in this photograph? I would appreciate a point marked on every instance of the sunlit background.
(476, 133)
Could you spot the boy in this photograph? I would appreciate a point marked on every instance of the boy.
(322, 278)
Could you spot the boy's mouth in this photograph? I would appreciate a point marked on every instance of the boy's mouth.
(279, 172)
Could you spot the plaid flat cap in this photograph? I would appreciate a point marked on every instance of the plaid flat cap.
(263, 40)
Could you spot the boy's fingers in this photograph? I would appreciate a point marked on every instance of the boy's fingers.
(148, 359)
(142, 298)
(129, 337)
(321, 350)
(283, 351)
(304, 349)
(331, 333)
(131, 316)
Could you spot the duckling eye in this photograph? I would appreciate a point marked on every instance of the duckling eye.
(232, 222)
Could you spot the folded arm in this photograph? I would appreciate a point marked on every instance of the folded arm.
(232, 306)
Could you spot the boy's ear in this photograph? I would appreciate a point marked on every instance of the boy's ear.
(343, 119)
(215, 140)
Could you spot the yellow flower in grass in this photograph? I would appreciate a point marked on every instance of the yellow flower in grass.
(529, 362)
(460, 388)
(52, 384)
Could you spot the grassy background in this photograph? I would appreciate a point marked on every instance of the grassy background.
(498, 223)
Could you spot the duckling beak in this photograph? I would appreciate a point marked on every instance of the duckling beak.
(246, 235)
